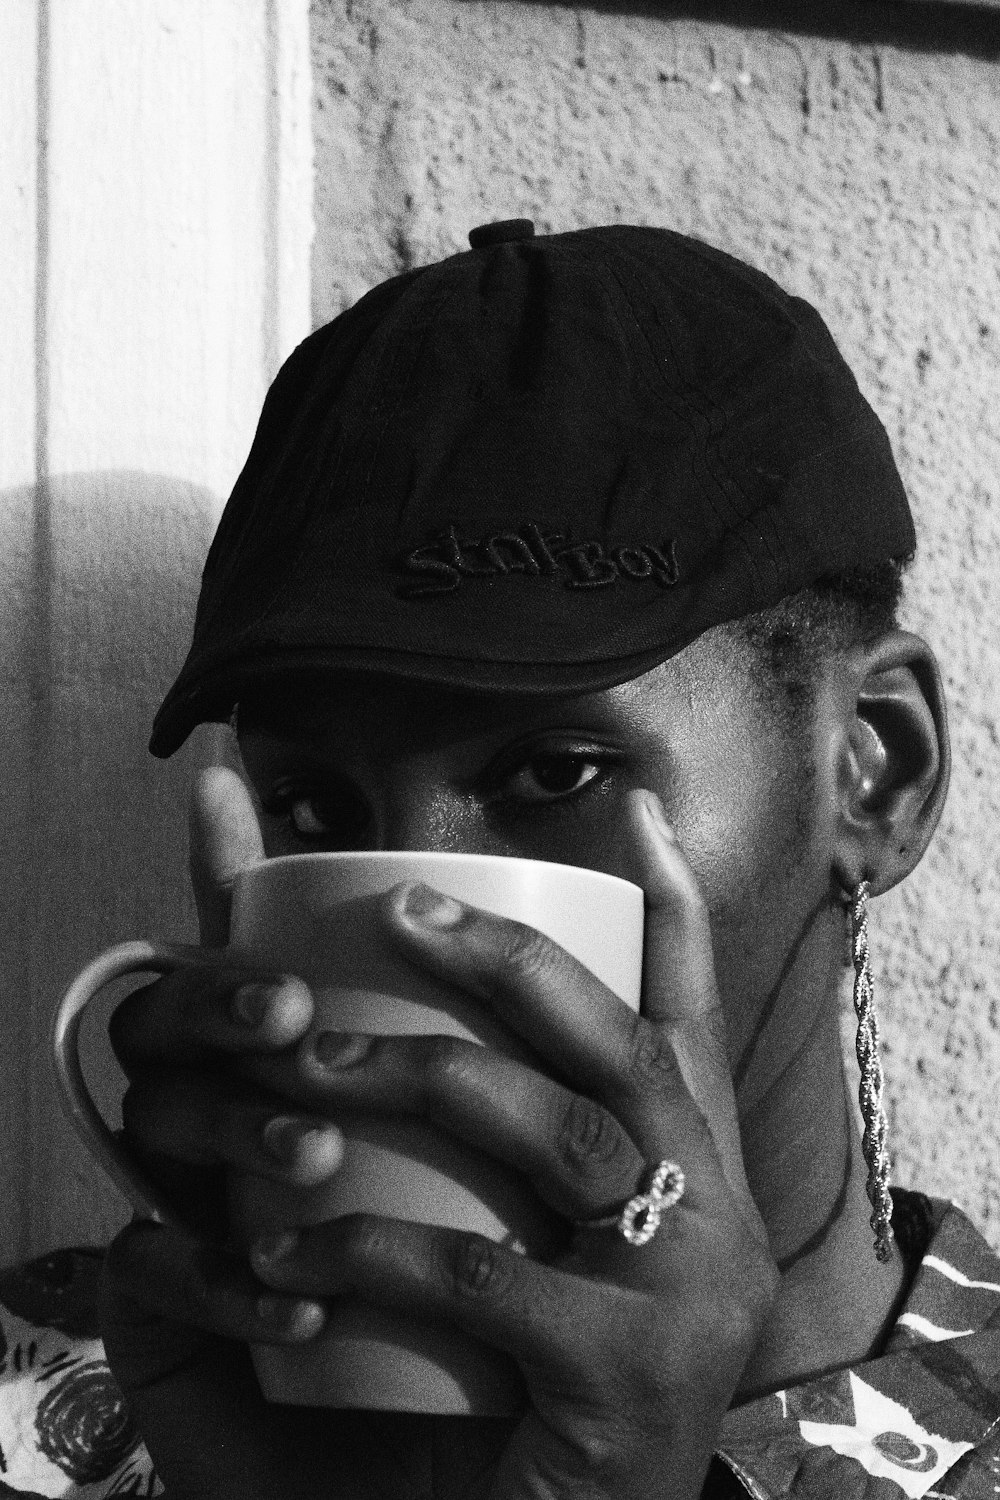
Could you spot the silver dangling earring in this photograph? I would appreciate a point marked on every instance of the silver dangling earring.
(870, 1092)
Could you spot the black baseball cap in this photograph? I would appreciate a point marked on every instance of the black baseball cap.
(544, 464)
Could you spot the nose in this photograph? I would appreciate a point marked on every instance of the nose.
(424, 815)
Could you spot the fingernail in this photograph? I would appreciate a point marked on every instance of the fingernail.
(654, 808)
(277, 1244)
(285, 1137)
(341, 1049)
(429, 908)
(249, 1003)
(293, 1316)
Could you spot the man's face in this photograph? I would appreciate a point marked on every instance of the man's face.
(365, 762)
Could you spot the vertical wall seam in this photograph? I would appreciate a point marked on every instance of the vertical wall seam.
(272, 224)
(42, 116)
(37, 655)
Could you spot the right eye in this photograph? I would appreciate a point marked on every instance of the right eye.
(333, 817)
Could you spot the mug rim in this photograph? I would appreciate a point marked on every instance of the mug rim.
(442, 856)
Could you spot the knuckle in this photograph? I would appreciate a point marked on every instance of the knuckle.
(737, 1319)
(596, 1453)
(525, 950)
(388, 906)
(445, 1066)
(652, 1060)
(700, 1132)
(478, 1267)
(590, 1138)
(744, 1291)
(363, 1238)
(201, 1005)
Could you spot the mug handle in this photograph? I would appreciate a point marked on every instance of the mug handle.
(137, 957)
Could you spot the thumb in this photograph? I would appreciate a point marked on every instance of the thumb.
(224, 836)
(678, 984)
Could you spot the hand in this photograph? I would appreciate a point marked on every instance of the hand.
(179, 1309)
(177, 1305)
(186, 1117)
(630, 1355)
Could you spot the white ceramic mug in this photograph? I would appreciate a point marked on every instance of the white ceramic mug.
(315, 916)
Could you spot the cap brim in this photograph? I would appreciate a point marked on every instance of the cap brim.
(213, 697)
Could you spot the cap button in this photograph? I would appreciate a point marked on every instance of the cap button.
(500, 232)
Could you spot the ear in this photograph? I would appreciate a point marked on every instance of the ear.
(895, 762)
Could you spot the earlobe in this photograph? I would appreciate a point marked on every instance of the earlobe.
(896, 762)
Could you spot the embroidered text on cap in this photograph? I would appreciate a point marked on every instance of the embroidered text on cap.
(439, 565)
(500, 232)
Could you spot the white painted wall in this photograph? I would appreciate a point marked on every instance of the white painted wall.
(155, 223)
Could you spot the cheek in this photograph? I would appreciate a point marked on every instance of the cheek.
(751, 827)
(740, 830)
(592, 836)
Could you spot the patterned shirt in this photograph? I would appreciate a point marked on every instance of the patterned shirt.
(64, 1428)
(921, 1419)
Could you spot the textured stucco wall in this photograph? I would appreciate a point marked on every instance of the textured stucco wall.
(865, 176)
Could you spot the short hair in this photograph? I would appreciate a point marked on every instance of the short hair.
(791, 641)
(788, 643)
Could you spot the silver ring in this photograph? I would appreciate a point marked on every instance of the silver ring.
(639, 1220)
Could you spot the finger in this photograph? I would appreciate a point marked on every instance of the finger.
(590, 1038)
(194, 1394)
(169, 1371)
(678, 961)
(679, 989)
(153, 1269)
(203, 1010)
(591, 1341)
(574, 1152)
(541, 993)
(208, 1121)
(545, 1318)
(224, 837)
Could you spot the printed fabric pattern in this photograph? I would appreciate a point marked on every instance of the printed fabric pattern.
(922, 1419)
(64, 1427)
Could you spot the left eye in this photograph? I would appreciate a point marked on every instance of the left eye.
(327, 816)
(544, 778)
(308, 818)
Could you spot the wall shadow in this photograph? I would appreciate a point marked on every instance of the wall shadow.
(101, 573)
(944, 26)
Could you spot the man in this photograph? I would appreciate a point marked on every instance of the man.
(583, 548)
